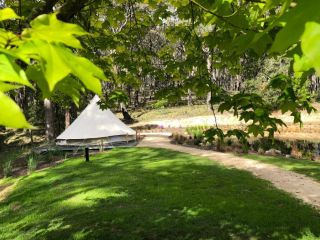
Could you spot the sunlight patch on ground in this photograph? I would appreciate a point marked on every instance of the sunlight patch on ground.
(92, 197)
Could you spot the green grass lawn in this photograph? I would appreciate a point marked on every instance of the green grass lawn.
(303, 166)
(148, 193)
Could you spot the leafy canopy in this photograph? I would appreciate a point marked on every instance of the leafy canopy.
(225, 32)
(47, 53)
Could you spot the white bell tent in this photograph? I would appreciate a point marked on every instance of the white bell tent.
(96, 128)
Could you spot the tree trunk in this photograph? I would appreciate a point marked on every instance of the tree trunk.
(189, 98)
(48, 111)
(129, 89)
(208, 101)
(67, 117)
(126, 116)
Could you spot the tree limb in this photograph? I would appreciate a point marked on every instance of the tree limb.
(70, 9)
(42, 9)
(66, 12)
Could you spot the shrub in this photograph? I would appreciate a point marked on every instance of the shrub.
(49, 156)
(7, 168)
(160, 104)
(268, 143)
(32, 163)
(197, 131)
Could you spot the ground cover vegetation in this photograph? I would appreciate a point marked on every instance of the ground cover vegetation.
(136, 193)
(245, 57)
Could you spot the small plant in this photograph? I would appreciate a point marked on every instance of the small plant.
(215, 135)
(51, 154)
(160, 104)
(197, 131)
(7, 168)
(32, 163)
(268, 143)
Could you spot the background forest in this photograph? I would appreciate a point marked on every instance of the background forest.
(157, 54)
(219, 100)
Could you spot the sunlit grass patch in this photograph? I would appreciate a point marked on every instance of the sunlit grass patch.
(144, 193)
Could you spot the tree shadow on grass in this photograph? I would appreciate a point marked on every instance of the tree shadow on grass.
(151, 194)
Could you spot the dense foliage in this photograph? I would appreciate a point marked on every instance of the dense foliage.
(171, 50)
(42, 54)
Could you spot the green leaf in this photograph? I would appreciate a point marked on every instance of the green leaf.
(5, 87)
(255, 130)
(7, 13)
(48, 28)
(300, 65)
(294, 21)
(310, 47)
(11, 115)
(34, 73)
(279, 82)
(15, 53)
(72, 88)
(86, 71)
(259, 112)
(51, 60)
(68, 86)
(11, 72)
(57, 62)
(8, 39)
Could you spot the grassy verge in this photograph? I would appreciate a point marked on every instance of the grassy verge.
(305, 167)
(151, 194)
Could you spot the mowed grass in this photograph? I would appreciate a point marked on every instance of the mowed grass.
(144, 193)
(302, 166)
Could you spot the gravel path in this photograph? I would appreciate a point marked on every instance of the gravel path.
(300, 186)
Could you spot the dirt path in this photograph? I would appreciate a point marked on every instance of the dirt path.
(300, 186)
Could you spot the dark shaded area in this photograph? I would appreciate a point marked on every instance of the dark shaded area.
(151, 194)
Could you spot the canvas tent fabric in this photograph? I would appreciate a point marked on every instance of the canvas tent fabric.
(95, 127)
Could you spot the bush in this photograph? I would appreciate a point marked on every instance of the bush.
(304, 149)
(7, 168)
(197, 131)
(160, 104)
(179, 139)
(265, 144)
(51, 154)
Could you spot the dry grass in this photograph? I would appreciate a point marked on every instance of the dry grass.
(182, 117)
(170, 113)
